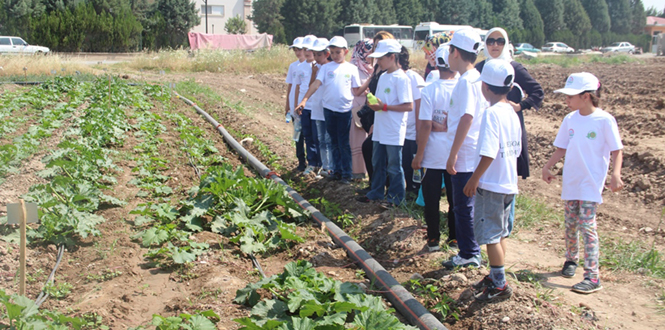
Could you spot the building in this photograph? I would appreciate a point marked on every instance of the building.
(219, 11)
(655, 26)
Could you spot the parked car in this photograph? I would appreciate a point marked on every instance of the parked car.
(557, 47)
(17, 46)
(524, 47)
(619, 47)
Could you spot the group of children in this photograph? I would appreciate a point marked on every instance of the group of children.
(467, 138)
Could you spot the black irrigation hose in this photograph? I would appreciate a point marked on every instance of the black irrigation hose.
(401, 298)
(43, 295)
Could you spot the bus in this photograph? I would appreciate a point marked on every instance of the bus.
(355, 32)
(423, 30)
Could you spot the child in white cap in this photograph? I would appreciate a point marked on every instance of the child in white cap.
(589, 139)
(340, 81)
(467, 106)
(394, 99)
(291, 94)
(494, 181)
(432, 154)
(302, 81)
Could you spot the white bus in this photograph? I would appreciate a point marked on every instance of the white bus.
(423, 30)
(355, 32)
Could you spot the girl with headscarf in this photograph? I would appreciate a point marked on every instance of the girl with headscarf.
(497, 46)
(357, 135)
(431, 44)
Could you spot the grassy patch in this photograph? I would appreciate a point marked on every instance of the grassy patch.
(530, 212)
(197, 92)
(12, 67)
(576, 60)
(634, 256)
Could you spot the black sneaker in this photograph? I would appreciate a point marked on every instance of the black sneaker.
(481, 285)
(433, 245)
(587, 286)
(494, 294)
(344, 181)
(363, 199)
(568, 269)
(363, 191)
(452, 245)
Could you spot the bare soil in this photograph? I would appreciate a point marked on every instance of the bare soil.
(634, 95)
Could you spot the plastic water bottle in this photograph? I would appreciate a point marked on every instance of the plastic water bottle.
(418, 175)
(297, 127)
(288, 118)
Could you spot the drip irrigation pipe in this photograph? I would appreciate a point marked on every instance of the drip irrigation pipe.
(401, 298)
(43, 295)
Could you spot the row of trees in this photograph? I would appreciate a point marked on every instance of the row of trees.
(580, 23)
(100, 25)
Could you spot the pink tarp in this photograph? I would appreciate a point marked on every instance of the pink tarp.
(229, 41)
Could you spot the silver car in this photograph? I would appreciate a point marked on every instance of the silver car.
(619, 47)
(17, 46)
(557, 47)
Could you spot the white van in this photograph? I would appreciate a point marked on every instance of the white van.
(355, 32)
(17, 46)
(423, 30)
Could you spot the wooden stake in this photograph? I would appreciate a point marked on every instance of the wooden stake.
(23, 224)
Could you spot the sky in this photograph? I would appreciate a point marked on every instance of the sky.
(659, 4)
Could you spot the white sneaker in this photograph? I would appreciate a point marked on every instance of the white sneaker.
(457, 261)
(309, 169)
(317, 172)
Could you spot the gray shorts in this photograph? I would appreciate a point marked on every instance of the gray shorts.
(491, 212)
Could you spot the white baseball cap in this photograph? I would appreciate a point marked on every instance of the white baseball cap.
(497, 72)
(442, 54)
(466, 39)
(386, 46)
(297, 42)
(338, 41)
(308, 41)
(580, 82)
(319, 45)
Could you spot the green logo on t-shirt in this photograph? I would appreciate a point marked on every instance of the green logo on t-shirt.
(387, 90)
(451, 101)
(591, 135)
(347, 76)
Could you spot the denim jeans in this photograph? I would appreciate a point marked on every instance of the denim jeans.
(387, 160)
(511, 219)
(410, 148)
(463, 208)
(338, 125)
(324, 145)
(300, 151)
(311, 138)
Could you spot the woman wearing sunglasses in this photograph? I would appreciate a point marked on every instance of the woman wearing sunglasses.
(498, 46)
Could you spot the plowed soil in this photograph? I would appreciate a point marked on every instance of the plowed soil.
(542, 299)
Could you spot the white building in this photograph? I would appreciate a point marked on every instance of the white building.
(219, 11)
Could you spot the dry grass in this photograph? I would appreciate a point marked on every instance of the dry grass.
(40, 65)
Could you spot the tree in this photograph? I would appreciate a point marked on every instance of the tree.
(652, 11)
(454, 12)
(598, 14)
(620, 16)
(430, 9)
(235, 25)
(481, 14)
(385, 13)
(551, 11)
(266, 14)
(639, 17)
(408, 12)
(577, 22)
(311, 17)
(532, 22)
(179, 17)
(507, 14)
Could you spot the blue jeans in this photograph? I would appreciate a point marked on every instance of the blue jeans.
(463, 208)
(338, 125)
(324, 145)
(311, 138)
(387, 159)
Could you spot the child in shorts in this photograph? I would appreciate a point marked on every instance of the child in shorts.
(589, 139)
(494, 182)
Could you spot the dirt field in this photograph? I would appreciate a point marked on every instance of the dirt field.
(631, 299)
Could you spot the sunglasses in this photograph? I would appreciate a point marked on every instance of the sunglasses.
(498, 41)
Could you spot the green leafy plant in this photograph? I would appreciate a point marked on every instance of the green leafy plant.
(58, 291)
(198, 321)
(22, 313)
(435, 299)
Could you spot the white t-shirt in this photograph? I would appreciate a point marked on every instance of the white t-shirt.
(316, 102)
(390, 126)
(434, 103)
(433, 76)
(588, 141)
(500, 139)
(467, 99)
(337, 80)
(302, 79)
(416, 80)
(290, 78)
